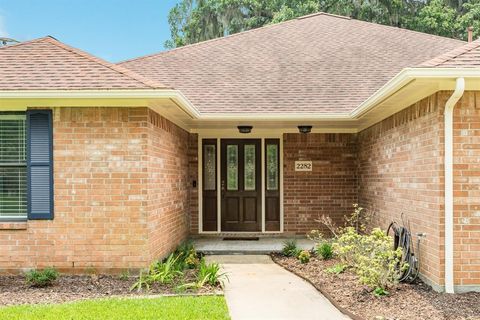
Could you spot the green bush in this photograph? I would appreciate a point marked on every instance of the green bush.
(41, 278)
(290, 248)
(210, 274)
(371, 256)
(324, 250)
(304, 256)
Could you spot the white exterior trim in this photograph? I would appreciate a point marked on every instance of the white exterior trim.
(237, 135)
(449, 224)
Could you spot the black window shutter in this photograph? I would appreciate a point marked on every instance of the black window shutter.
(40, 165)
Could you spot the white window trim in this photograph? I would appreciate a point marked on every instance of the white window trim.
(236, 135)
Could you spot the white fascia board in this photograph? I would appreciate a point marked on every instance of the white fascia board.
(406, 76)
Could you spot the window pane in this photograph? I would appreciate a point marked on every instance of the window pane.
(232, 167)
(209, 166)
(249, 167)
(12, 139)
(13, 166)
(13, 192)
(272, 167)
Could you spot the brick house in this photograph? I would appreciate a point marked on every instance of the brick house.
(109, 166)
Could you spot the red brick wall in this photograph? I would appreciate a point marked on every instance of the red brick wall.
(193, 172)
(467, 190)
(168, 188)
(401, 171)
(120, 194)
(330, 188)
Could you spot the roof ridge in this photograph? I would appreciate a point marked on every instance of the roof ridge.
(450, 55)
(122, 70)
(26, 42)
(320, 13)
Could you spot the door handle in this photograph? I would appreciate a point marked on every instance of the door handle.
(223, 188)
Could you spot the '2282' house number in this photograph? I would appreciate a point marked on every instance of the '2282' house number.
(303, 165)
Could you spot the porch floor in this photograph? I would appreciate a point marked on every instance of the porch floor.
(216, 245)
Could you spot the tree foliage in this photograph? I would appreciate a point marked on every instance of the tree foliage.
(193, 21)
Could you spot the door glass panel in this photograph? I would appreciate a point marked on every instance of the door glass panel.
(209, 166)
(272, 167)
(232, 167)
(249, 167)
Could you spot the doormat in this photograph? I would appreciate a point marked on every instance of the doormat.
(241, 239)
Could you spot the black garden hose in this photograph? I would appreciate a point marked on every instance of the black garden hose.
(403, 239)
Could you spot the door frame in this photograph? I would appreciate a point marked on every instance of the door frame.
(232, 134)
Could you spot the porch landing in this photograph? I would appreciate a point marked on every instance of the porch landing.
(264, 245)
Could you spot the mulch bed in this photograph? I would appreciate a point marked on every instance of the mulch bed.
(14, 290)
(407, 301)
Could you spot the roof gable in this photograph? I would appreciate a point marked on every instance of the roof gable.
(319, 63)
(48, 64)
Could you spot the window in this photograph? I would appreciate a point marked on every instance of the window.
(272, 167)
(13, 166)
(249, 171)
(210, 166)
(232, 167)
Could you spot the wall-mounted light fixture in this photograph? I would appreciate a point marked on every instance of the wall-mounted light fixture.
(244, 129)
(304, 129)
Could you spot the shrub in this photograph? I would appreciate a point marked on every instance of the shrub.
(324, 250)
(164, 272)
(336, 269)
(210, 274)
(125, 275)
(359, 219)
(187, 256)
(371, 256)
(304, 256)
(290, 248)
(41, 278)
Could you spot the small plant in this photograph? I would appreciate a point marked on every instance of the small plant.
(208, 274)
(380, 292)
(164, 272)
(290, 248)
(211, 274)
(41, 278)
(142, 283)
(336, 269)
(324, 250)
(304, 256)
(125, 275)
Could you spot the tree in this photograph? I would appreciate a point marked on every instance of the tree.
(437, 18)
(192, 21)
(470, 18)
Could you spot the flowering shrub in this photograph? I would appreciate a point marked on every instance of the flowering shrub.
(304, 256)
(371, 256)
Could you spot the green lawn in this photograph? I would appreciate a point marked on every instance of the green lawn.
(206, 307)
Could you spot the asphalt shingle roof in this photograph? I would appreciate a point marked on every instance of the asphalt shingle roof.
(467, 56)
(318, 63)
(47, 64)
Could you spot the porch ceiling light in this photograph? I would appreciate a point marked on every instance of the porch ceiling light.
(244, 129)
(305, 129)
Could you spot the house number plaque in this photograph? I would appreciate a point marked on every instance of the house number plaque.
(303, 165)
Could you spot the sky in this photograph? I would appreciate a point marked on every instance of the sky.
(114, 30)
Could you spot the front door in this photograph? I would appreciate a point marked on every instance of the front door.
(241, 202)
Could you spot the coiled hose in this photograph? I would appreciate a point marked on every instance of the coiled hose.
(403, 239)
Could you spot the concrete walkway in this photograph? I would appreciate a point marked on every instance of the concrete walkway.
(260, 289)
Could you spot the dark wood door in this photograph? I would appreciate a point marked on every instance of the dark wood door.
(241, 184)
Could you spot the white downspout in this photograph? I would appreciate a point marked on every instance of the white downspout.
(448, 116)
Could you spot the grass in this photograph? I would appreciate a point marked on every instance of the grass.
(165, 308)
